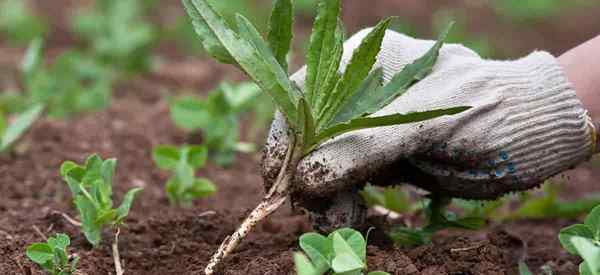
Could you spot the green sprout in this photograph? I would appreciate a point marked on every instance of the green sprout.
(117, 33)
(584, 240)
(91, 187)
(52, 255)
(344, 251)
(183, 187)
(218, 118)
(18, 22)
(330, 105)
(11, 132)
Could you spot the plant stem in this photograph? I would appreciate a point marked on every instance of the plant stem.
(115, 251)
(272, 201)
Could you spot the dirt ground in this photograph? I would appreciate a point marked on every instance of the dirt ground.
(160, 239)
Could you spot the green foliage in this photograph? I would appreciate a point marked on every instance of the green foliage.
(18, 23)
(344, 251)
(183, 187)
(314, 116)
(218, 118)
(438, 218)
(52, 255)
(535, 10)
(118, 34)
(391, 198)
(584, 240)
(91, 187)
(10, 133)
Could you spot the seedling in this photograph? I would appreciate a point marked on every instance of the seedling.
(584, 240)
(183, 187)
(330, 105)
(391, 198)
(117, 33)
(11, 132)
(91, 187)
(18, 22)
(218, 118)
(52, 255)
(344, 251)
(438, 218)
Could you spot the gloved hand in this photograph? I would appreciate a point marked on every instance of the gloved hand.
(525, 125)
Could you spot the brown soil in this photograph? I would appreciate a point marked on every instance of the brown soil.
(160, 239)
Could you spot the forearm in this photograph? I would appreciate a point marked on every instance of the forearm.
(582, 66)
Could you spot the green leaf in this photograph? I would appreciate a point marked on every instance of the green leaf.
(589, 252)
(66, 167)
(357, 70)
(202, 188)
(123, 209)
(354, 240)
(240, 95)
(281, 30)
(324, 52)
(319, 249)
(576, 230)
(166, 157)
(190, 113)
(209, 40)
(378, 273)
(21, 124)
(303, 265)
(33, 58)
(593, 222)
(373, 122)
(306, 121)
(524, 269)
(197, 156)
(364, 100)
(271, 79)
(40, 253)
(584, 269)
(346, 259)
(60, 241)
(410, 237)
(106, 217)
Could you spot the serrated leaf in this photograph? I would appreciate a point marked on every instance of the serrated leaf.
(210, 42)
(593, 222)
(280, 30)
(125, 206)
(271, 79)
(324, 51)
(576, 230)
(40, 253)
(357, 70)
(19, 126)
(319, 249)
(373, 122)
(303, 265)
(363, 101)
(589, 252)
(166, 157)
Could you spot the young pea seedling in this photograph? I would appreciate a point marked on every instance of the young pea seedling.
(218, 118)
(183, 187)
(330, 105)
(91, 187)
(584, 240)
(344, 251)
(52, 255)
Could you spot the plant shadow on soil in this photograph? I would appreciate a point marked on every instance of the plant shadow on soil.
(161, 240)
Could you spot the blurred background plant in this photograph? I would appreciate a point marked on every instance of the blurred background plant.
(18, 22)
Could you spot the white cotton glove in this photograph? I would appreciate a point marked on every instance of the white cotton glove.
(525, 125)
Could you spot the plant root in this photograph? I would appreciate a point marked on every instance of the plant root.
(115, 251)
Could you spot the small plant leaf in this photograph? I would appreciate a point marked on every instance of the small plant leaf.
(593, 222)
(357, 70)
(319, 249)
(303, 265)
(576, 230)
(354, 240)
(40, 253)
(396, 119)
(209, 41)
(60, 241)
(33, 58)
(281, 30)
(346, 259)
(589, 252)
(241, 95)
(324, 51)
(202, 188)
(166, 157)
(197, 156)
(361, 102)
(18, 127)
(189, 113)
(123, 210)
